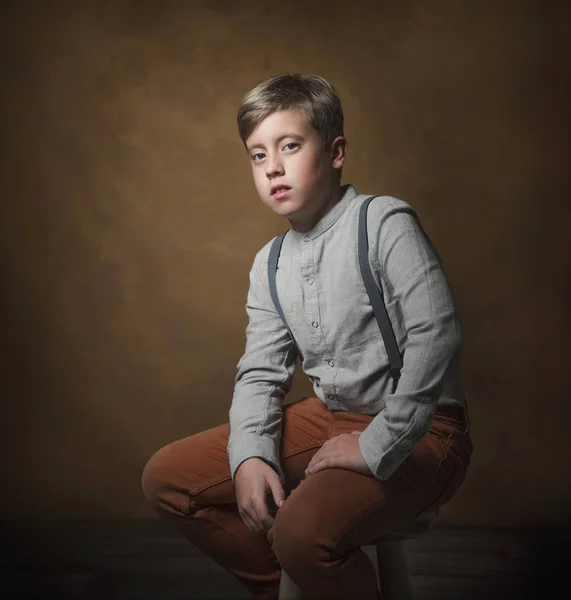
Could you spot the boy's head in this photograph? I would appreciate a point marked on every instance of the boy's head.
(311, 95)
(292, 127)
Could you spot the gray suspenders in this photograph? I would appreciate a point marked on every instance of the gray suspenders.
(375, 294)
(272, 269)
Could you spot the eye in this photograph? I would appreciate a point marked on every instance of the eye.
(291, 146)
(258, 156)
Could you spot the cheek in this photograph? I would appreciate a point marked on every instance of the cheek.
(311, 172)
(259, 180)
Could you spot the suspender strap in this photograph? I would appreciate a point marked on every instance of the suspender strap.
(272, 269)
(376, 297)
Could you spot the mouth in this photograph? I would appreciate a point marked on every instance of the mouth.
(279, 191)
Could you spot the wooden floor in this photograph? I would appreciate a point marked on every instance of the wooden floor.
(147, 560)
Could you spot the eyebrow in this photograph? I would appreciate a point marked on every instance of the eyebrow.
(295, 136)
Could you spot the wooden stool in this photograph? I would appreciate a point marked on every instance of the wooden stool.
(394, 576)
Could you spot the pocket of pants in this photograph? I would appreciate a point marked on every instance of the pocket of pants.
(460, 441)
(455, 480)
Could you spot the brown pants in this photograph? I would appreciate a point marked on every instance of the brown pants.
(327, 516)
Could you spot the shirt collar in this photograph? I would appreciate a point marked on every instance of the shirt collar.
(348, 194)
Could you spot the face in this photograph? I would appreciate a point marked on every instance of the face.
(294, 174)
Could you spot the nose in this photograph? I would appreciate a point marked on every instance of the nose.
(274, 167)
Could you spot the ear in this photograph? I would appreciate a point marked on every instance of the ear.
(338, 151)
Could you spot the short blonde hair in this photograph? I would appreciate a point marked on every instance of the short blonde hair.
(312, 95)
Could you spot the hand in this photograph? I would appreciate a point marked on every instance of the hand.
(340, 451)
(254, 480)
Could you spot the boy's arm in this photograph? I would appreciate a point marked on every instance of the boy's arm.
(411, 266)
(264, 378)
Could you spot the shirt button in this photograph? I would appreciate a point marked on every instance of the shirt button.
(310, 281)
(315, 324)
(331, 363)
(330, 397)
(306, 238)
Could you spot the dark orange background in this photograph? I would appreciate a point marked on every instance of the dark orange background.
(129, 222)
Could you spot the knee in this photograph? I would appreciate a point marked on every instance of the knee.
(155, 477)
(298, 544)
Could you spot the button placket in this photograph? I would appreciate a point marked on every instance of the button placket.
(308, 251)
(308, 275)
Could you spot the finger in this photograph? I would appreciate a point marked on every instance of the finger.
(262, 518)
(254, 516)
(278, 494)
(324, 463)
(320, 455)
(267, 523)
(270, 536)
(248, 521)
(312, 462)
(272, 507)
(325, 460)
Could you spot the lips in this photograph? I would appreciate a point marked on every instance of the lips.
(279, 189)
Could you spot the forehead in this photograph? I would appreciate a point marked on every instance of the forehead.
(278, 124)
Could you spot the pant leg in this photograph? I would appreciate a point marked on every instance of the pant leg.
(188, 482)
(321, 527)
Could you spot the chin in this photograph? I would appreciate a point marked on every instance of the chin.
(288, 214)
(284, 209)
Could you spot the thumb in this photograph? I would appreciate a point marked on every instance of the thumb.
(277, 490)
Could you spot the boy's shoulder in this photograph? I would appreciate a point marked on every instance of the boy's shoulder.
(260, 262)
(383, 205)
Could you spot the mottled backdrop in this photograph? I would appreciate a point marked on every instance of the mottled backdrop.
(129, 221)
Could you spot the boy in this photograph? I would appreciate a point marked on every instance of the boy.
(304, 487)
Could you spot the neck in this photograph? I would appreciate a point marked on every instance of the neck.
(307, 222)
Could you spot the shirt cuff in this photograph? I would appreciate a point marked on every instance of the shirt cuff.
(384, 452)
(250, 445)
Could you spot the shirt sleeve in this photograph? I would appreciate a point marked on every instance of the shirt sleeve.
(264, 377)
(411, 267)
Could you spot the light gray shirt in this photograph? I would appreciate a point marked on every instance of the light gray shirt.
(327, 307)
